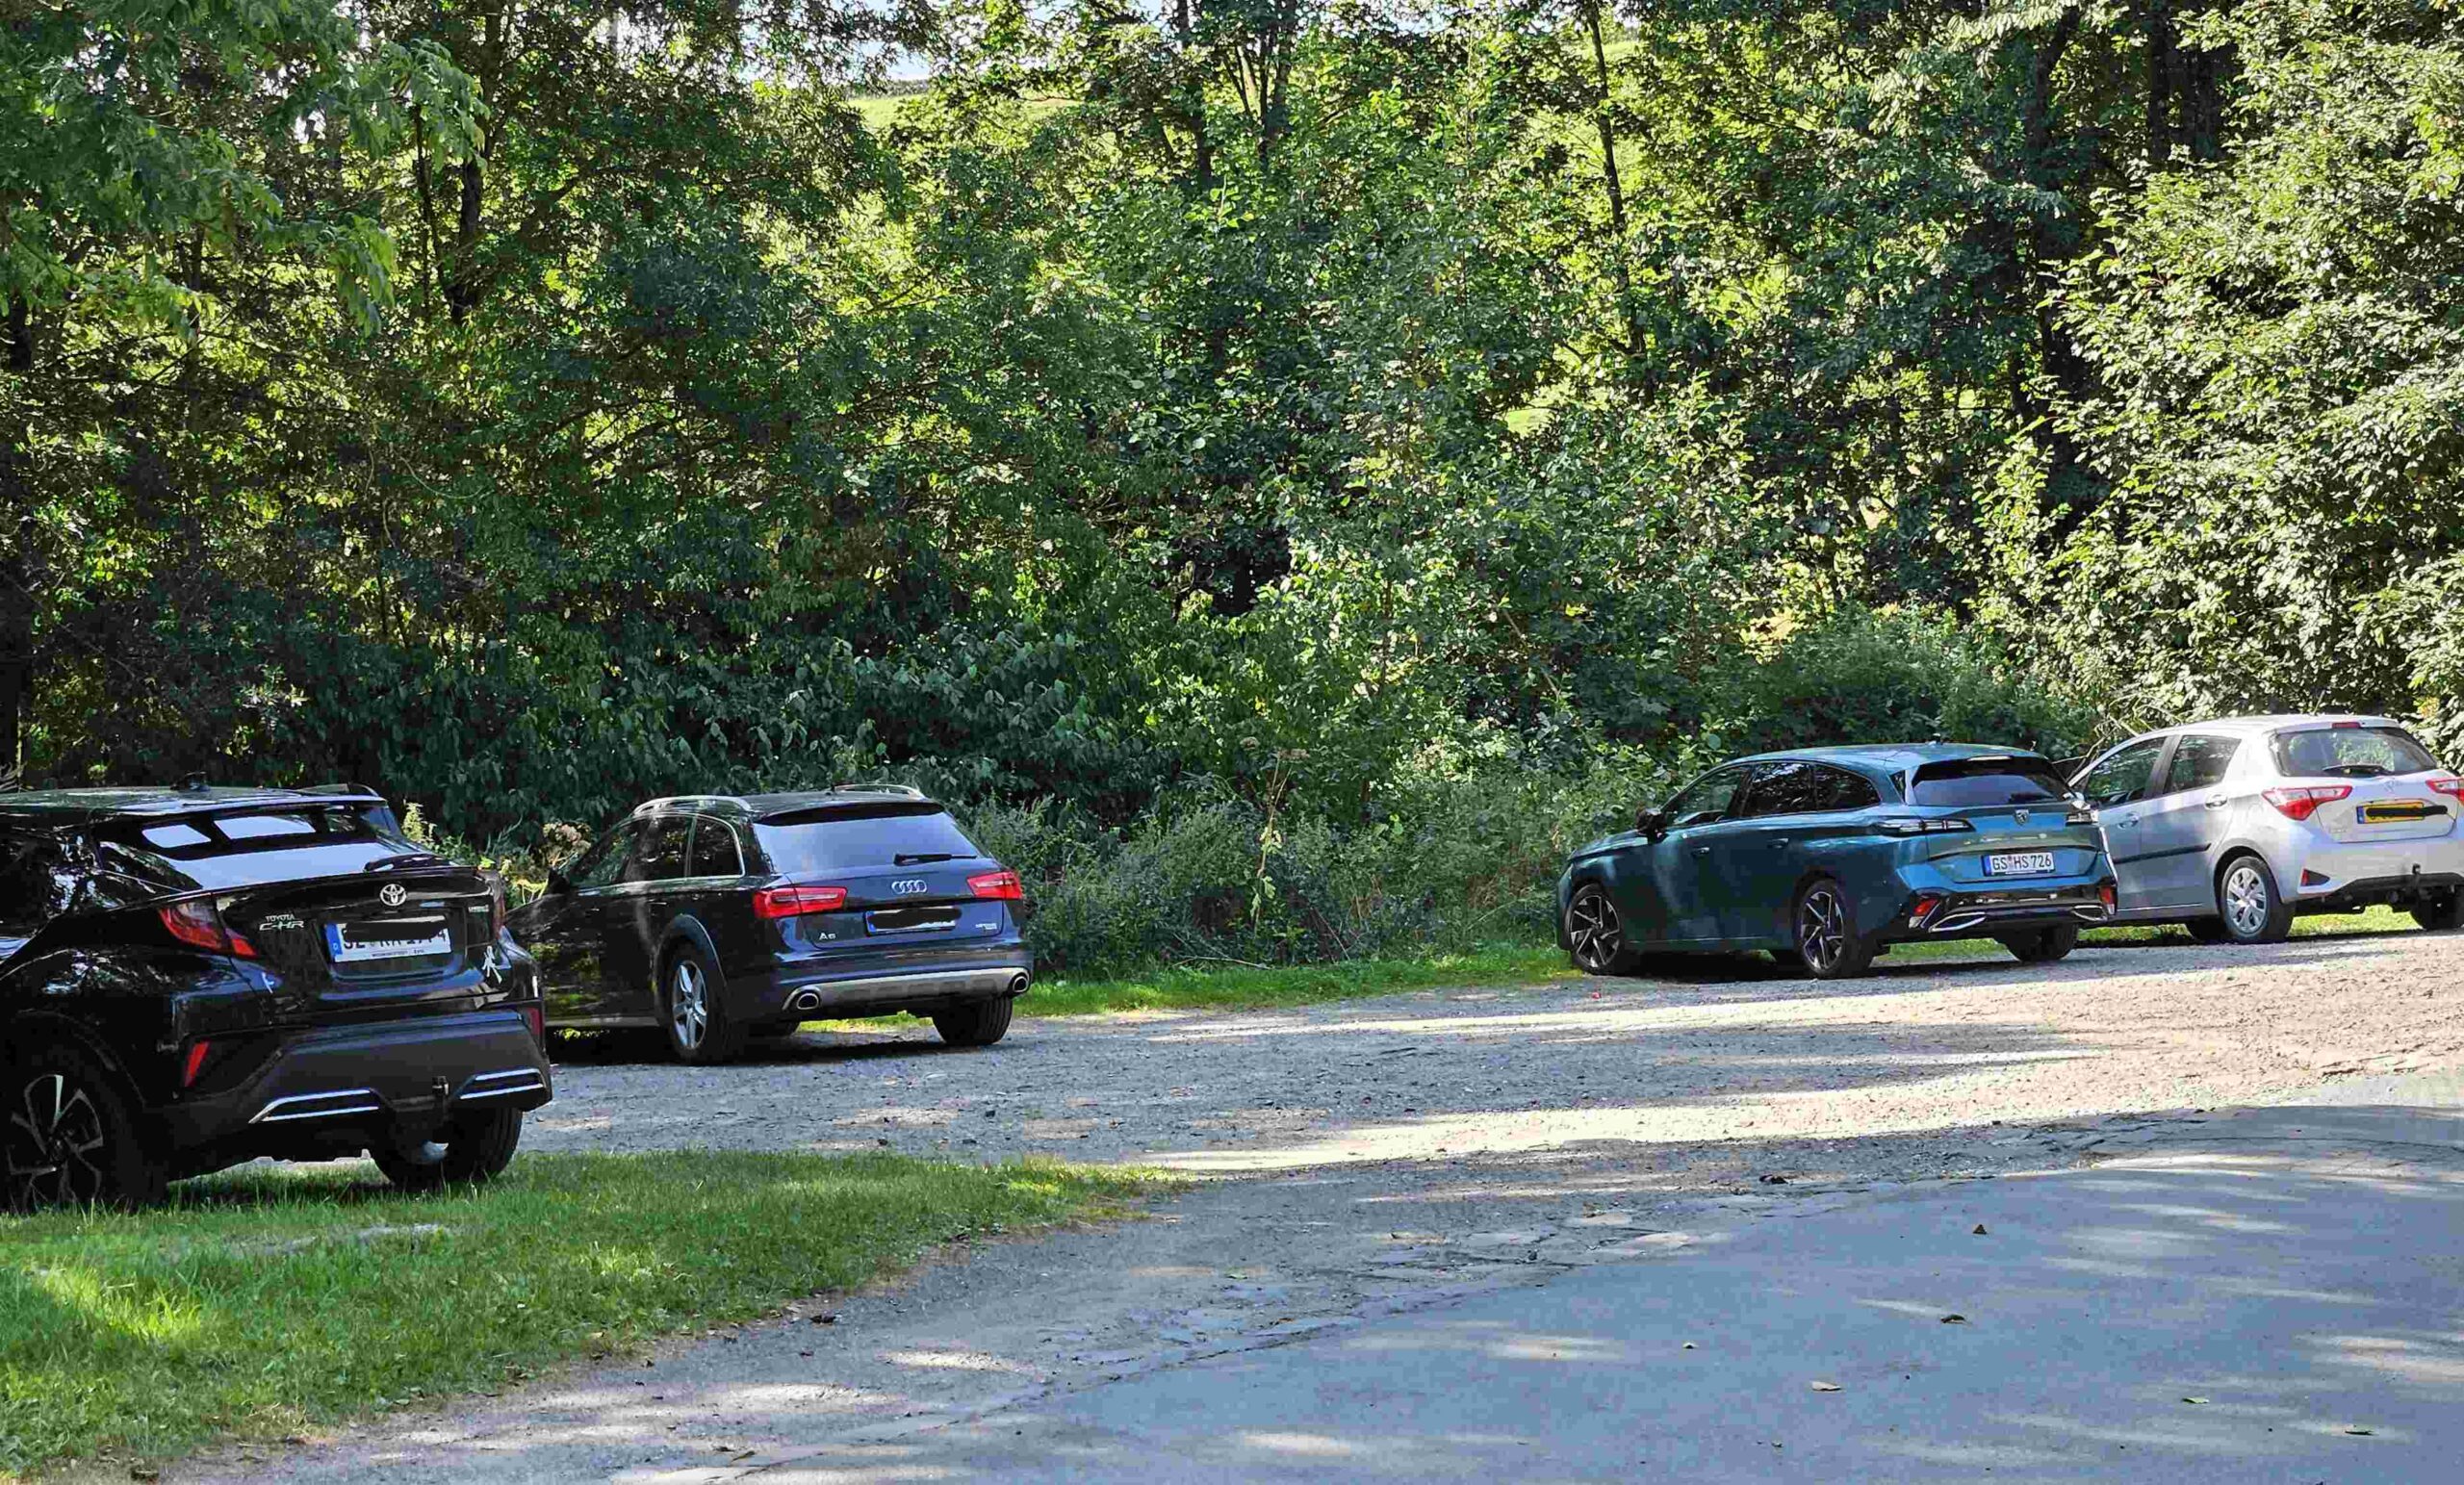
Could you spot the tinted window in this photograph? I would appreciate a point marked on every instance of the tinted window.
(659, 856)
(246, 848)
(604, 863)
(715, 853)
(2123, 774)
(848, 841)
(1989, 780)
(2350, 753)
(1807, 788)
(1709, 798)
(2198, 762)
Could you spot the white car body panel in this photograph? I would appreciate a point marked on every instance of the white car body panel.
(2167, 847)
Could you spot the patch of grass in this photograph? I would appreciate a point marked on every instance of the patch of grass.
(264, 1299)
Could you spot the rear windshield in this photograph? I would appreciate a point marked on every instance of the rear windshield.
(2350, 753)
(251, 847)
(884, 835)
(1986, 781)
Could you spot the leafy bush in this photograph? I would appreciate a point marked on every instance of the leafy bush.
(1862, 676)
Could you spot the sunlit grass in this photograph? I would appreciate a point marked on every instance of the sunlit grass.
(267, 1299)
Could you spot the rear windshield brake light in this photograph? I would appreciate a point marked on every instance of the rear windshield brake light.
(796, 899)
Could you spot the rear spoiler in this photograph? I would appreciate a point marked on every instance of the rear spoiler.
(905, 803)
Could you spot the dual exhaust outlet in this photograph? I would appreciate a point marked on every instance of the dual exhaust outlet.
(810, 999)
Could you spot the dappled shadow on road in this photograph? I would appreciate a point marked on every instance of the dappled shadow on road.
(2260, 1295)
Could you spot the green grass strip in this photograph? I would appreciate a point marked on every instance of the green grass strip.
(262, 1301)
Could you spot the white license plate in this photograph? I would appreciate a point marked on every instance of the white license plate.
(356, 943)
(2019, 863)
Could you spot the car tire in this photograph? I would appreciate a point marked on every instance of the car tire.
(473, 1151)
(692, 1008)
(2247, 903)
(977, 1024)
(2042, 945)
(69, 1135)
(2442, 914)
(1828, 938)
(2206, 929)
(1596, 933)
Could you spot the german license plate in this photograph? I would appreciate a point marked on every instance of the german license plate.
(358, 943)
(2018, 864)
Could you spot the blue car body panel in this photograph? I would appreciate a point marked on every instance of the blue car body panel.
(1732, 883)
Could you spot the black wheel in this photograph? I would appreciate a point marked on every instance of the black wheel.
(474, 1150)
(69, 1135)
(2042, 945)
(1596, 936)
(2206, 929)
(977, 1024)
(2443, 913)
(1828, 939)
(2249, 907)
(692, 1008)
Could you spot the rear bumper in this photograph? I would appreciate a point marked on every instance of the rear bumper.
(823, 989)
(2372, 891)
(1987, 911)
(340, 1089)
(2328, 873)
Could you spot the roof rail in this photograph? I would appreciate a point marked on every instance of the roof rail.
(340, 786)
(654, 805)
(907, 790)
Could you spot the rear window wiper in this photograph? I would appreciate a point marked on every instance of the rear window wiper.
(920, 858)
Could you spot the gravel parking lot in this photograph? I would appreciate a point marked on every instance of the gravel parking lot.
(1373, 1157)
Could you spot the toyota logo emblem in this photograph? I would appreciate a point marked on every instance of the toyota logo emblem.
(392, 894)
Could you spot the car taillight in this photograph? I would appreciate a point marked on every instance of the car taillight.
(2448, 784)
(2105, 894)
(1001, 885)
(796, 899)
(196, 923)
(1908, 825)
(194, 1063)
(1922, 909)
(537, 1016)
(2300, 803)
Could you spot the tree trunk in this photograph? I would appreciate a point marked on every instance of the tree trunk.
(16, 564)
(2164, 61)
(1609, 182)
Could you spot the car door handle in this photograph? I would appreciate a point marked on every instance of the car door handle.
(1702, 851)
(2217, 804)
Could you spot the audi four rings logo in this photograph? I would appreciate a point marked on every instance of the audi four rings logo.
(390, 894)
(909, 886)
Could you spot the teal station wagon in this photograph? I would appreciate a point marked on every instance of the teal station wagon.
(1826, 855)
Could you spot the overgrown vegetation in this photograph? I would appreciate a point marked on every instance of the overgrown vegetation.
(263, 1300)
(1288, 470)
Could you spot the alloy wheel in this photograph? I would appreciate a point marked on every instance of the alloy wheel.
(55, 1141)
(1822, 929)
(689, 1003)
(2245, 900)
(1593, 931)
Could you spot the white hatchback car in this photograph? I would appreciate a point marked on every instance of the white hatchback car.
(2235, 826)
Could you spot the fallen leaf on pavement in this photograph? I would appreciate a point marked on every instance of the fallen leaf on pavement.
(1826, 1387)
(1954, 1320)
(1980, 1229)
(2194, 1399)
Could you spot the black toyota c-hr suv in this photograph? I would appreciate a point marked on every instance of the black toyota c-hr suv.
(194, 977)
(719, 919)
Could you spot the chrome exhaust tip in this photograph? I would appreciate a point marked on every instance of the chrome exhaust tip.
(1018, 984)
(805, 1000)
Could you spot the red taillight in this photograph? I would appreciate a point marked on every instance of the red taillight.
(2448, 784)
(194, 1063)
(796, 899)
(2105, 894)
(537, 1016)
(2300, 803)
(1923, 909)
(196, 923)
(1001, 885)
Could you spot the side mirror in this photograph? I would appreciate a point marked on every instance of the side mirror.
(558, 884)
(1650, 822)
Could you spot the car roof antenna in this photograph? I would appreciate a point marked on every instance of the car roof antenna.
(192, 784)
